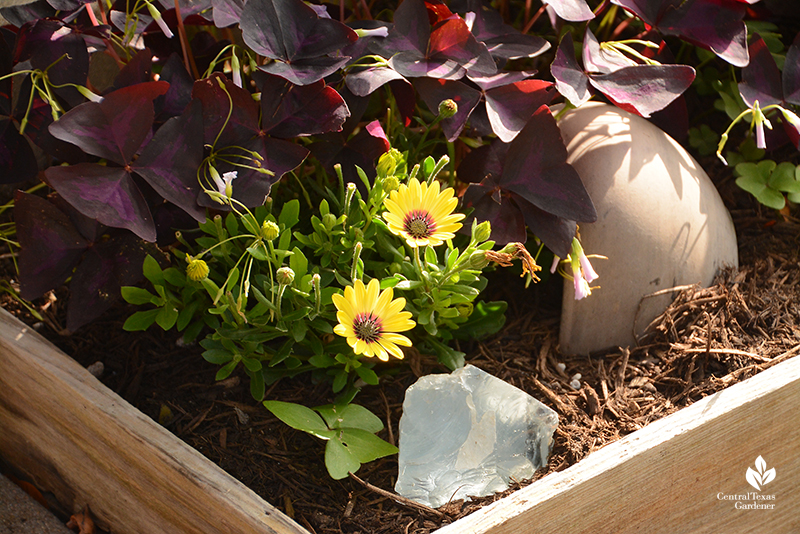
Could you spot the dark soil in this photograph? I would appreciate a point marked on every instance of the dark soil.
(707, 340)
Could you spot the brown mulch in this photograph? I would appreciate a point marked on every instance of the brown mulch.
(705, 341)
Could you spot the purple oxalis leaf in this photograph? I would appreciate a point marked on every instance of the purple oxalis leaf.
(506, 218)
(107, 194)
(227, 12)
(365, 82)
(104, 269)
(761, 79)
(715, 25)
(644, 89)
(293, 35)
(412, 65)
(114, 128)
(536, 169)
(503, 41)
(570, 79)
(572, 10)
(50, 245)
(242, 124)
(289, 110)
(791, 73)
(434, 91)
(17, 160)
(52, 46)
(509, 107)
(170, 161)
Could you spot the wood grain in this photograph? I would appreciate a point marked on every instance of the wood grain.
(666, 478)
(79, 440)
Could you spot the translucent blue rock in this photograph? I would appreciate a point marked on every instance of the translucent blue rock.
(469, 434)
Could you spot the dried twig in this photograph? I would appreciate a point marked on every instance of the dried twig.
(399, 499)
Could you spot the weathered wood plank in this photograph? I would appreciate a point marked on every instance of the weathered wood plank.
(81, 441)
(667, 476)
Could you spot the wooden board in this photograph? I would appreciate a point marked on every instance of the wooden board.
(669, 476)
(79, 440)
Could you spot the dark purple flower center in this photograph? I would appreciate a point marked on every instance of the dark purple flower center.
(367, 327)
(419, 224)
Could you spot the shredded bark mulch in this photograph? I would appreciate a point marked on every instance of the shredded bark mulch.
(705, 341)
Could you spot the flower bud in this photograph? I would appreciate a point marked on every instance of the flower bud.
(386, 164)
(465, 309)
(483, 231)
(270, 230)
(329, 221)
(391, 183)
(478, 260)
(159, 20)
(447, 108)
(285, 276)
(197, 270)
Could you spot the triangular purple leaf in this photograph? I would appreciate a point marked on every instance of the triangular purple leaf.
(599, 61)
(644, 88)
(170, 161)
(174, 102)
(411, 65)
(509, 107)
(761, 79)
(503, 41)
(306, 71)
(712, 24)
(114, 128)
(555, 232)
(451, 39)
(570, 79)
(105, 268)
(411, 31)
(243, 122)
(50, 246)
(791, 73)
(572, 10)
(17, 160)
(434, 91)
(536, 169)
(138, 70)
(365, 82)
(289, 31)
(227, 12)
(508, 223)
(289, 110)
(107, 194)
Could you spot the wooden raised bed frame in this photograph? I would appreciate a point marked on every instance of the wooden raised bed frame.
(79, 440)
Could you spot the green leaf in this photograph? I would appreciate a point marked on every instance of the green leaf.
(152, 271)
(356, 416)
(226, 371)
(174, 277)
(784, 178)
(408, 284)
(322, 361)
(167, 316)
(186, 314)
(231, 224)
(367, 375)
(137, 295)
(300, 418)
(290, 213)
(217, 356)
(389, 282)
(251, 224)
(366, 446)
(427, 166)
(299, 329)
(257, 251)
(487, 318)
(141, 320)
(257, 386)
(252, 364)
(339, 460)
(298, 263)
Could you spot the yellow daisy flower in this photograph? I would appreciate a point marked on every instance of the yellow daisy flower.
(369, 320)
(422, 214)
